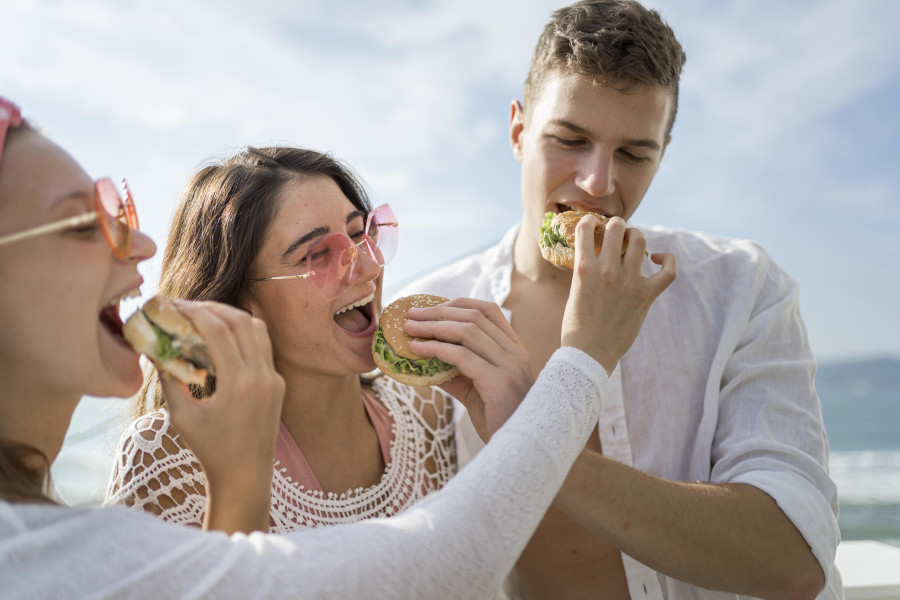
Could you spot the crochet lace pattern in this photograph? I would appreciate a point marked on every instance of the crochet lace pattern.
(154, 471)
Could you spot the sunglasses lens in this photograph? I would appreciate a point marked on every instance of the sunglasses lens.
(117, 224)
(327, 260)
(384, 232)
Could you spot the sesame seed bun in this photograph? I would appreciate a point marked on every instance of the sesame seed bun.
(391, 329)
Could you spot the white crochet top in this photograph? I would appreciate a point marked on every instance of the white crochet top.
(156, 472)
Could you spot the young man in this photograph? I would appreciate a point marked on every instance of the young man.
(708, 467)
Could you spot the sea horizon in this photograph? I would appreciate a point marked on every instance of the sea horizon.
(860, 406)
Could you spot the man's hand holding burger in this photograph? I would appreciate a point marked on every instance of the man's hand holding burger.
(610, 298)
(495, 370)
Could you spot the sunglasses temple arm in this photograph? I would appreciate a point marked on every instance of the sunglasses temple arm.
(49, 228)
(303, 276)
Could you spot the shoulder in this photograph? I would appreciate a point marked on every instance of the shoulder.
(459, 277)
(696, 246)
(714, 260)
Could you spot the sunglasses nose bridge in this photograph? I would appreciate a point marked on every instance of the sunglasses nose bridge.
(354, 260)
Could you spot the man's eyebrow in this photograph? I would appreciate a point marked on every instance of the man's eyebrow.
(319, 232)
(651, 144)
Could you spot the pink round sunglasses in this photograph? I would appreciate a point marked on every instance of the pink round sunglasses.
(333, 256)
(117, 218)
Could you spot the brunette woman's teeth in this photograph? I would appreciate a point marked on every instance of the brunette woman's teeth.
(357, 304)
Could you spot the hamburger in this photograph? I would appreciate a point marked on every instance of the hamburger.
(170, 340)
(557, 239)
(390, 346)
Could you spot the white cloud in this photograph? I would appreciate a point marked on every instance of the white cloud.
(414, 96)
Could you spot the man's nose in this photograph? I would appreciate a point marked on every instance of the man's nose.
(596, 174)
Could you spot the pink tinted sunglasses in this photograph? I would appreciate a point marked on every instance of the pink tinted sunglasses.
(333, 257)
(116, 217)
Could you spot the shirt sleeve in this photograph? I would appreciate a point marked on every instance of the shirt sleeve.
(457, 543)
(770, 432)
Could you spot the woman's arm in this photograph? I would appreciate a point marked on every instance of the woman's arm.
(457, 543)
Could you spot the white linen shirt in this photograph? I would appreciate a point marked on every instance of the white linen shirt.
(718, 387)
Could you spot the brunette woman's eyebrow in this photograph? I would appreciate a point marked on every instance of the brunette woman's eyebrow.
(319, 232)
(315, 233)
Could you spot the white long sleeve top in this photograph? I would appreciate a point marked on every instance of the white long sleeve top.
(457, 543)
(717, 387)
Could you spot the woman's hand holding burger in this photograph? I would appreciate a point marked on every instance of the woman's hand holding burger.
(610, 298)
(233, 431)
(495, 370)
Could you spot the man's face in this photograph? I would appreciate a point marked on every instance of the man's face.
(588, 147)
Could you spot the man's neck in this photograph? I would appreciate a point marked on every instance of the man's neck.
(531, 265)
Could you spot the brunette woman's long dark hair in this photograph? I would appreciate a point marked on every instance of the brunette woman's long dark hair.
(220, 223)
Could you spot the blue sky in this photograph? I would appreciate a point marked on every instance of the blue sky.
(788, 130)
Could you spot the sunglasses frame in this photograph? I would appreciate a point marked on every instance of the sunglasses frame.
(126, 214)
(10, 116)
(353, 248)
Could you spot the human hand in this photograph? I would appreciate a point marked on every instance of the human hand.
(232, 432)
(610, 298)
(495, 371)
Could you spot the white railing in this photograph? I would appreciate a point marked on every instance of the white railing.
(870, 570)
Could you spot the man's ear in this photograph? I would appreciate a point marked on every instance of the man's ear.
(665, 147)
(516, 127)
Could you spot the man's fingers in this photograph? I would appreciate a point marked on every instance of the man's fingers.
(637, 245)
(659, 281)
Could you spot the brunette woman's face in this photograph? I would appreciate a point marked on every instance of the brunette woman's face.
(60, 290)
(312, 332)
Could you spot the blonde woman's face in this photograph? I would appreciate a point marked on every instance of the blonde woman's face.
(58, 308)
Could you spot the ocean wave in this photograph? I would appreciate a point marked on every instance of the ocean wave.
(866, 476)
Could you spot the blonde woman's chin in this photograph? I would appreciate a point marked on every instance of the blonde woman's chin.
(122, 376)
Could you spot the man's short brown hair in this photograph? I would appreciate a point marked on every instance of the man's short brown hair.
(615, 43)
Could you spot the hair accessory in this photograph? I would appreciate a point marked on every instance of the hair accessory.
(10, 116)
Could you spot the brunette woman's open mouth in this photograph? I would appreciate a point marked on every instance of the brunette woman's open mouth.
(358, 318)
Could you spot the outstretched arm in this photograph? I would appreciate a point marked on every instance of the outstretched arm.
(725, 536)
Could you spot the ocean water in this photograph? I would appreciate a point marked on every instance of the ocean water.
(860, 405)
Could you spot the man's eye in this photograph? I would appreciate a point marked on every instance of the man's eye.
(565, 142)
(634, 158)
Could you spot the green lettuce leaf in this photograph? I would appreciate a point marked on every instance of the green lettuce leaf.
(550, 235)
(422, 366)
